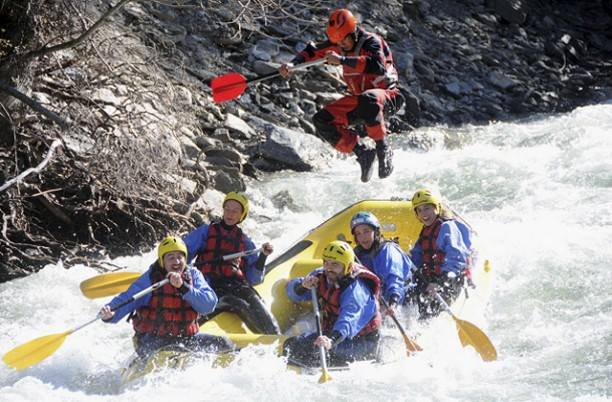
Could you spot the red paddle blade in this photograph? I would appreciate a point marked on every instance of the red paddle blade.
(228, 87)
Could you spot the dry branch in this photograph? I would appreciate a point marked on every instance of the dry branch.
(37, 169)
(32, 103)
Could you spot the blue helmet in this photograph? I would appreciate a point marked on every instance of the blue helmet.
(364, 218)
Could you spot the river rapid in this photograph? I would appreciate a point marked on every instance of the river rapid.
(539, 194)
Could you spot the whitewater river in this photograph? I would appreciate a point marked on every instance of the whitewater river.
(538, 192)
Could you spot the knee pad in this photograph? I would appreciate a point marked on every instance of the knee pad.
(325, 130)
(369, 109)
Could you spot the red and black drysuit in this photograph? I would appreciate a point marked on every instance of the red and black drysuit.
(372, 81)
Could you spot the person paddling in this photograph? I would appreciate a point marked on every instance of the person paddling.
(370, 74)
(169, 315)
(441, 254)
(233, 280)
(383, 257)
(347, 295)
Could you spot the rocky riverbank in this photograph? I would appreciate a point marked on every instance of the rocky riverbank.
(144, 149)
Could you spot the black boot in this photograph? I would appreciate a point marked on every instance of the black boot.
(385, 159)
(365, 157)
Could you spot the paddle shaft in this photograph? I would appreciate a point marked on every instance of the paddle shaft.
(230, 256)
(410, 344)
(134, 297)
(114, 282)
(445, 305)
(294, 68)
(36, 350)
(315, 308)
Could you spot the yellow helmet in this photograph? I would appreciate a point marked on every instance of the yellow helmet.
(168, 245)
(425, 196)
(241, 199)
(341, 252)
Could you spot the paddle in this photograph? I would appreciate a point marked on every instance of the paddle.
(108, 284)
(315, 306)
(411, 345)
(112, 283)
(470, 334)
(38, 349)
(232, 85)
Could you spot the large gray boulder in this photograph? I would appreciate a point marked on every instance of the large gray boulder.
(290, 149)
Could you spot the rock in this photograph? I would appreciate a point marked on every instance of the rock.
(510, 10)
(183, 96)
(227, 180)
(283, 199)
(412, 104)
(205, 142)
(228, 154)
(291, 149)
(185, 184)
(501, 81)
(454, 88)
(307, 126)
(222, 134)
(236, 125)
(189, 147)
(106, 95)
(424, 71)
(265, 49)
(264, 67)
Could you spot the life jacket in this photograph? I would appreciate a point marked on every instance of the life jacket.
(367, 256)
(433, 257)
(330, 298)
(167, 314)
(223, 241)
(358, 81)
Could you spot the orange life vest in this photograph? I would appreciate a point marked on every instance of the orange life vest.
(359, 81)
(432, 256)
(222, 241)
(330, 298)
(167, 314)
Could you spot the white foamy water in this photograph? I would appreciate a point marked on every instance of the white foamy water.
(539, 194)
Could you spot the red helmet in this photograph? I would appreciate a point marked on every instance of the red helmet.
(341, 23)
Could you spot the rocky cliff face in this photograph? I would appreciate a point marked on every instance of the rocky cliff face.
(144, 149)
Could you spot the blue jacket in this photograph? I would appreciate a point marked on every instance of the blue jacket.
(201, 297)
(454, 240)
(196, 242)
(357, 305)
(391, 265)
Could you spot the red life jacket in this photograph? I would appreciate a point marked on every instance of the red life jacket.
(330, 298)
(220, 242)
(359, 81)
(167, 314)
(356, 79)
(432, 256)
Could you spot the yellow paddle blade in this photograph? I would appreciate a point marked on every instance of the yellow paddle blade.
(324, 376)
(470, 334)
(412, 346)
(35, 351)
(108, 284)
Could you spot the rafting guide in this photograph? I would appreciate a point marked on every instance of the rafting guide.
(371, 77)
